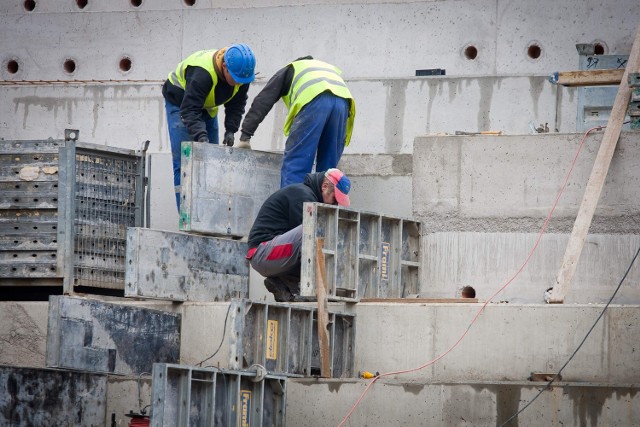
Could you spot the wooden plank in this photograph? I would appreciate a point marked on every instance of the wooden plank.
(421, 300)
(609, 77)
(596, 180)
(323, 317)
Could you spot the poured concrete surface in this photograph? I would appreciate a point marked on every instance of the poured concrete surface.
(487, 261)
(463, 404)
(509, 183)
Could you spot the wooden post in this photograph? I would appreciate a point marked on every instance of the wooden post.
(596, 180)
(323, 317)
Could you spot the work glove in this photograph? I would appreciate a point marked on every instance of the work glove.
(244, 141)
(228, 139)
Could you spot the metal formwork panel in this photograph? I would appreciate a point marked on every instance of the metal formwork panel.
(282, 337)
(48, 397)
(367, 255)
(223, 188)
(185, 267)
(101, 194)
(29, 208)
(94, 336)
(595, 103)
(205, 397)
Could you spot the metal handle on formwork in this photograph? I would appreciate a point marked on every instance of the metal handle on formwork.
(146, 173)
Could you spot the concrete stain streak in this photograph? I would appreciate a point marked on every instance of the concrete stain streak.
(394, 114)
(484, 106)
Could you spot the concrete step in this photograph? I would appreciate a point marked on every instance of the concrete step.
(486, 261)
(411, 402)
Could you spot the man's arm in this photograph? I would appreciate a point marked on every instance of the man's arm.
(234, 109)
(198, 86)
(276, 87)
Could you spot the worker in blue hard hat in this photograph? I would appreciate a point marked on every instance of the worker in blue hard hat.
(320, 119)
(202, 82)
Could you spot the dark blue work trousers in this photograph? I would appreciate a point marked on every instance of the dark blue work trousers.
(317, 132)
(178, 132)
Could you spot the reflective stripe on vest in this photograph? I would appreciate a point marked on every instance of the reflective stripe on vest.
(202, 59)
(310, 79)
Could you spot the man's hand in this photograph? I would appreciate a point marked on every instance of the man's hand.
(228, 139)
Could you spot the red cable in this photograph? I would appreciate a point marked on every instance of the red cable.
(544, 228)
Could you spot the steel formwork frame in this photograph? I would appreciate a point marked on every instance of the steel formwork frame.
(101, 193)
(283, 338)
(205, 397)
(367, 255)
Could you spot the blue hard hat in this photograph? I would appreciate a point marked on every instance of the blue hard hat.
(240, 62)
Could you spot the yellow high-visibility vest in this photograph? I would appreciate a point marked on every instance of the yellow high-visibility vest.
(202, 59)
(310, 78)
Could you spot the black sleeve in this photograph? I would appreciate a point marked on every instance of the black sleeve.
(276, 87)
(234, 109)
(198, 85)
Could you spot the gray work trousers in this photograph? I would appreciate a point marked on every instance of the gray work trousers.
(280, 257)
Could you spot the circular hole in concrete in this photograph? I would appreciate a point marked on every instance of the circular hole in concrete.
(82, 3)
(69, 66)
(12, 66)
(468, 292)
(598, 49)
(136, 3)
(29, 5)
(470, 52)
(190, 2)
(125, 64)
(534, 51)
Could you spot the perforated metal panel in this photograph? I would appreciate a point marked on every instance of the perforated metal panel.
(101, 194)
(367, 255)
(197, 397)
(29, 209)
(283, 338)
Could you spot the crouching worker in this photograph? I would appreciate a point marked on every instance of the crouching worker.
(275, 239)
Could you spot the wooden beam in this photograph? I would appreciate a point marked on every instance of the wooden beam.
(587, 77)
(596, 180)
(323, 317)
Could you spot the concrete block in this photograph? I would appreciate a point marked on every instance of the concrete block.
(185, 267)
(509, 183)
(506, 342)
(47, 397)
(283, 338)
(487, 261)
(95, 336)
(224, 188)
(367, 255)
(185, 396)
(418, 402)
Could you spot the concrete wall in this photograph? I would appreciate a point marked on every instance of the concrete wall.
(379, 45)
(487, 261)
(479, 405)
(486, 372)
(509, 183)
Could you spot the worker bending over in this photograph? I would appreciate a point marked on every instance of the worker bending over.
(275, 239)
(193, 92)
(320, 119)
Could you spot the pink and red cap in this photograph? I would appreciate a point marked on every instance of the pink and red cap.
(341, 184)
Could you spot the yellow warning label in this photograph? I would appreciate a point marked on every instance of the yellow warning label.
(272, 339)
(245, 408)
